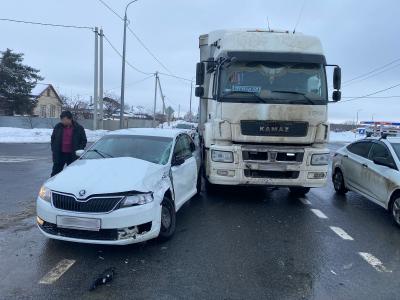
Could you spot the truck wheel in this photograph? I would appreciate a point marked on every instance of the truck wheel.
(168, 219)
(299, 191)
(338, 183)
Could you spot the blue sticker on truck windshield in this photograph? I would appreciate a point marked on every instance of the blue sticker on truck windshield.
(246, 89)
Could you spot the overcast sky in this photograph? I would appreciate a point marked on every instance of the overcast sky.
(358, 35)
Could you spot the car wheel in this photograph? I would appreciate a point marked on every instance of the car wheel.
(396, 210)
(299, 191)
(168, 219)
(338, 183)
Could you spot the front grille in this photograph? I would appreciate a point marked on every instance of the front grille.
(274, 128)
(92, 205)
(273, 156)
(272, 174)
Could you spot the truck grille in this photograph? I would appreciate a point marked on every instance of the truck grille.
(271, 174)
(91, 205)
(273, 156)
(274, 128)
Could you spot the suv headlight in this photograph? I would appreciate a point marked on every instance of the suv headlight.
(138, 199)
(45, 194)
(320, 159)
(222, 156)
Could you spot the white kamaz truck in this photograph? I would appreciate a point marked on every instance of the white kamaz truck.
(263, 109)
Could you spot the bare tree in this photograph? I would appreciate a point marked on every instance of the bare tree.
(77, 105)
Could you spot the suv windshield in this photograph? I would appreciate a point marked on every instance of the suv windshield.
(150, 148)
(273, 82)
(396, 148)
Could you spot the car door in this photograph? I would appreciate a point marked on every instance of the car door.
(354, 163)
(377, 177)
(184, 174)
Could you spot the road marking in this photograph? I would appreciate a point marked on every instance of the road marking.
(55, 273)
(16, 159)
(340, 232)
(305, 201)
(319, 213)
(374, 262)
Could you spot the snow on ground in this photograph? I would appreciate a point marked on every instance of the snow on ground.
(344, 137)
(39, 135)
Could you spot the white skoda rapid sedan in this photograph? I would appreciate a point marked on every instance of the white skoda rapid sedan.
(125, 189)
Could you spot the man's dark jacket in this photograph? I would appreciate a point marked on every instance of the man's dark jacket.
(78, 138)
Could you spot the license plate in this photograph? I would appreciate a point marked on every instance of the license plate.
(78, 223)
(271, 167)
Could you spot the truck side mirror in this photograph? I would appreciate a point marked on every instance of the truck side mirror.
(200, 73)
(336, 96)
(199, 91)
(337, 78)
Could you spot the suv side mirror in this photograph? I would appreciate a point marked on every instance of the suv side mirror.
(337, 78)
(200, 73)
(199, 91)
(336, 96)
(178, 160)
(383, 161)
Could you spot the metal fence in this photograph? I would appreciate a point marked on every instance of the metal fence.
(33, 122)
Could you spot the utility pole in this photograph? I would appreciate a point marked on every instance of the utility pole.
(190, 106)
(101, 125)
(155, 98)
(121, 117)
(96, 76)
(162, 97)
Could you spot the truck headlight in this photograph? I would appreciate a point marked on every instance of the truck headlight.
(222, 156)
(45, 194)
(320, 159)
(138, 199)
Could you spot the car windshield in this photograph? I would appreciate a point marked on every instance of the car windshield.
(150, 148)
(273, 82)
(184, 126)
(396, 147)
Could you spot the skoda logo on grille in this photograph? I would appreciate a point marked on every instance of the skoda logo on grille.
(82, 193)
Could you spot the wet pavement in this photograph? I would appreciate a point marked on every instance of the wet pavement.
(238, 243)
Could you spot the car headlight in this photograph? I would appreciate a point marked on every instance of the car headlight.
(222, 156)
(45, 194)
(138, 199)
(320, 159)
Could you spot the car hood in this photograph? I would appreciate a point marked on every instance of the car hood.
(110, 175)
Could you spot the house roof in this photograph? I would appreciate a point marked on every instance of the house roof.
(38, 90)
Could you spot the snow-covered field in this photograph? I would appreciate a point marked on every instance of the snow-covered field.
(38, 135)
(41, 135)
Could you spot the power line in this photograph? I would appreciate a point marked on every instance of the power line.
(174, 76)
(372, 75)
(110, 9)
(135, 82)
(372, 71)
(371, 94)
(375, 97)
(46, 24)
(127, 62)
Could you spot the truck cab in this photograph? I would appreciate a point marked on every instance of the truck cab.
(263, 108)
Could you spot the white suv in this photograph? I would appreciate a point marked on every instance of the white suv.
(370, 167)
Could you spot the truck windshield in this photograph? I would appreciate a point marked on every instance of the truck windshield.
(273, 82)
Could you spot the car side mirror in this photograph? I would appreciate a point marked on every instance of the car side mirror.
(200, 73)
(199, 91)
(336, 96)
(383, 161)
(337, 78)
(178, 160)
(79, 153)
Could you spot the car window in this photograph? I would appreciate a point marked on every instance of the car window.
(182, 147)
(190, 141)
(396, 147)
(360, 148)
(379, 150)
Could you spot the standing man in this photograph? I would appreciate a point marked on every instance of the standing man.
(67, 137)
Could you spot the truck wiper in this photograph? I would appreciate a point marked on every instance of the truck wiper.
(101, 153)
(296, 93)
(254, 94)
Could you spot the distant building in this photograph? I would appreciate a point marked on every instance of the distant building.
(49, 104)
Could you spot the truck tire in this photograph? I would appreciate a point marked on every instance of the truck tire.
(168, 219)
(299, 191)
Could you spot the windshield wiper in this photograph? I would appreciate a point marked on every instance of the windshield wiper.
(101, 153)
(254, 94)
(296, 93)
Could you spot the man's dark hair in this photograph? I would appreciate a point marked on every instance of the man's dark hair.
(66, 114)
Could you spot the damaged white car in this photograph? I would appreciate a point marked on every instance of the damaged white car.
(125, 189)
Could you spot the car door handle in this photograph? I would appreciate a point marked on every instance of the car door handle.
(365, 165)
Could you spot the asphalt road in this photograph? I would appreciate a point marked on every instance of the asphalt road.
(240, 243)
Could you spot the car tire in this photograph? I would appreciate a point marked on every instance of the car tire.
(299, 191)
(338, 183)
(395, 210)
(168, 219)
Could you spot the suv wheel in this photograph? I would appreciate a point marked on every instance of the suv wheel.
(338, 182)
